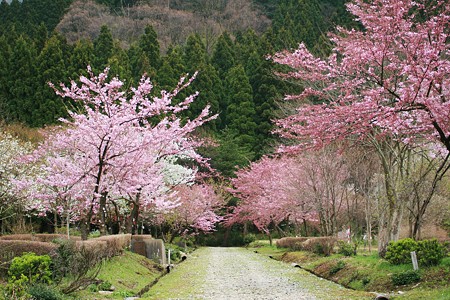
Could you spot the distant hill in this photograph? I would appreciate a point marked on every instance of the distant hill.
(173, 20)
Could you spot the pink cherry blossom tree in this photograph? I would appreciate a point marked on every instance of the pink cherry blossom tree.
(111, 147)
(325, 174)
(270, 191)
(388, 82)
(196, 211)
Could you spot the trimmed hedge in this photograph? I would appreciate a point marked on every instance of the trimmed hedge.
(320, 245)
(10, 249)
(116, 244)
(17, 237)
(141, 237)
(104, 247)
(290, 242)
(42, 237)
(49, 237)
(20, 247)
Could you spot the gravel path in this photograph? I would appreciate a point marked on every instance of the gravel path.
(236, 273)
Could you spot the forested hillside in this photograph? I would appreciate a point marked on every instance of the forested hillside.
(173, 120)
(226, 41)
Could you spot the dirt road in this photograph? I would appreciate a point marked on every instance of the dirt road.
(236, 273)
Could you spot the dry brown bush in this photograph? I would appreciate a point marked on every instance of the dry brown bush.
(18, 237)
(290, 242)
(116, 244)
(12, 248)
(41, 237)
(92, 245)
(320, 245)
(49, 237)
(141, 237)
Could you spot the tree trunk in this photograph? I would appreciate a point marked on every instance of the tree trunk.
(103, 227)
(281, 232)
(84, 228)
(245, 228)
(389, 228)
(305, 227)
(68, 226)
(270, 237)
(132, 220)
(55, 221)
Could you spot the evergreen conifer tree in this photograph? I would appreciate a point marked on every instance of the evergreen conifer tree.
(22, 81)
(119, 64)
(81, 56)
(240, 114)
(223, 55)
(172, 68)
(103, 48)
(51, 68)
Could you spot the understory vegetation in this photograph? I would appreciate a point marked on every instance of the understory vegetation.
(75, 269)
(364, 270)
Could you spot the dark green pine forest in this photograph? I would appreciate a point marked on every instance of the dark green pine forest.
(226, 41)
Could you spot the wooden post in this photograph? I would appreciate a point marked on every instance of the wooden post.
(414, 261)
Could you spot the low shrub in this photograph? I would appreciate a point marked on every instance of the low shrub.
(142, 237)
(100, 286)
(105, 286)
(249, 238)
(85, 261)
(31, 268)
(406, 277)
(339, 266)
(429, 252)
(319, 245)
(290, 242)
(64, 258)
(44, 292)
(41, 237)
(346, 249)
(95, 249)
(400, 252)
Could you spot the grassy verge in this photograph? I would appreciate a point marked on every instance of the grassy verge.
(366, 272)
(184, 280)
(128, 273)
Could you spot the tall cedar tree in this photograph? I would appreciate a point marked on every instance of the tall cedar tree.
(22, 82)
(145, 55)
(240, 115)
(51, 68)
(207, 82)
(103, 48)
